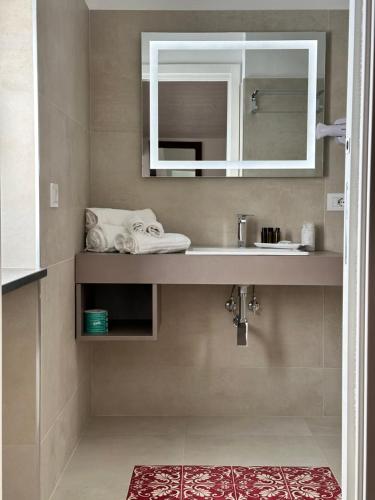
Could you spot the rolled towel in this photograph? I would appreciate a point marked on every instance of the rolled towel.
(114, 216)
(144, 223)
(102, 238)
(155, 229)
(139, 221)
(142, 243)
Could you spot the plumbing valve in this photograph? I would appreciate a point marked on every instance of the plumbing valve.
(237, 305)
(254, 305)
(230, 304)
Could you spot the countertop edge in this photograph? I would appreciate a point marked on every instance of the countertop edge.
(24, 277)
(320, 268)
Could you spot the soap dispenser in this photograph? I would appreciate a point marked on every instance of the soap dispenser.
(308, 236)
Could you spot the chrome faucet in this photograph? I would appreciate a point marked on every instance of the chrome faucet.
(241, 229)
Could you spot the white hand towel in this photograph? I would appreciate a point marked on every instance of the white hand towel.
(144, 222)
(116, 217)
(139, 220)
(102, 238)
(143, 243)
(155, 229)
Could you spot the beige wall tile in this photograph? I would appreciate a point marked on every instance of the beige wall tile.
(196, 330)
(20, 351)
(332, 392)
(20, 329)
(65, 363)
(116, 182)
(63, 56)
(196, 350)
(63, 52)
(115, 106)
(118, 389)
(20, 472)
(58, 444)
(332, 327)
(271, 21)
(180, 373)
(65, 160)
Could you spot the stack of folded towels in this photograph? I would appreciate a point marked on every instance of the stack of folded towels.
(130, 231)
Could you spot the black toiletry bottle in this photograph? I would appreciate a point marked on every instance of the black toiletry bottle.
(264, 235)
(276, 235)
(270, 235)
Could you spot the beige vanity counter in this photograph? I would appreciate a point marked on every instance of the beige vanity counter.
(318, 268)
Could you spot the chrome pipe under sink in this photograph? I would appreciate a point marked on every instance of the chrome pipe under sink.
(240, 319)
(237, 304)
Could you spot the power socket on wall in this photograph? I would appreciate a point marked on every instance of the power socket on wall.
(335, 202)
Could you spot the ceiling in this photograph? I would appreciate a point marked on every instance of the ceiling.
(217, 4)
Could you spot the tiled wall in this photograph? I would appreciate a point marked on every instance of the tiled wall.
(64, 155)
(20, 330)
(292, 365)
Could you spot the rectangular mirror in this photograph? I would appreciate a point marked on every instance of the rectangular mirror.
(232, 104)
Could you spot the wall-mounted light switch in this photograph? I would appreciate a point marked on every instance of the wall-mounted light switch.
(335, 202)
(53, 195)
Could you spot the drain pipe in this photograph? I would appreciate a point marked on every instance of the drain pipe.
(238, 307)
(240, 320)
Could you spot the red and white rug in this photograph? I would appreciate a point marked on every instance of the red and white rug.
(179, 482)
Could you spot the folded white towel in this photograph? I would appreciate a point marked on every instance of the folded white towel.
(116, 216)
(142, 243)
(102, 238)
(144, 223)
(155, 229)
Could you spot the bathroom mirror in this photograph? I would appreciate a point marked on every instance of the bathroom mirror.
(232, 104)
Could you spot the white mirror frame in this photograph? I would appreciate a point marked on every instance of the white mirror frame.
(310, 45)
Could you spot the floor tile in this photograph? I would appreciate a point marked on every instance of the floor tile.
(253, 450)
(324, 426)
(110, 447)
(130, 426)
(247, 426)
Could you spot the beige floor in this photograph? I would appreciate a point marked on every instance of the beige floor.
(102, 464)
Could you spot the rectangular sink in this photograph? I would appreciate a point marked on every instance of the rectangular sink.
(242, 251)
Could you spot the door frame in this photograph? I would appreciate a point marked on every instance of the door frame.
(357, 220)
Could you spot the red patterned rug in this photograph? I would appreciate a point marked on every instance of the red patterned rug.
(169, 482)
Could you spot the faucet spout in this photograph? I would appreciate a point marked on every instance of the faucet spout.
(241, 230)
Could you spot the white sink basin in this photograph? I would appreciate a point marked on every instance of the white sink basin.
(242, 251)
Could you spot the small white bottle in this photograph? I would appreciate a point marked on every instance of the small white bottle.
(308, 236)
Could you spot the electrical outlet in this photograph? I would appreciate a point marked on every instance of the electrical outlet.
(335, 202)
(53, 195)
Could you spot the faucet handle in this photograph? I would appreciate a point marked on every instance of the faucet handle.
(242, 216)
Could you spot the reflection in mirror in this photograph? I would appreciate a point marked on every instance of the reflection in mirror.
(190, 112)
(275, 105)
(249, 109)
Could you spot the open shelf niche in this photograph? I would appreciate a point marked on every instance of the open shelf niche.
(133, 312)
